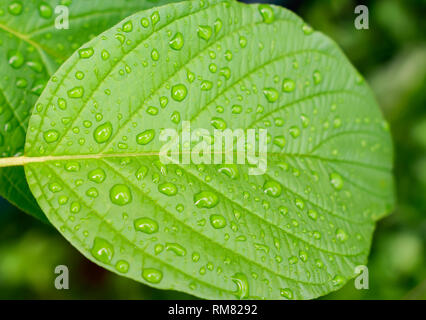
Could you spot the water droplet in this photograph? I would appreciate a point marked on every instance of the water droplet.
(338, 281)
(168, 189)
(146, 225)
(155, 17)
(103, 132)
(217, 25)
(152, 110)
(145, 137)
(317, 77)
(289, 85)
(15, 59)
(141, 172)
(225, 72)
(98, 175)
(292, 260)
(79, 75)
(205, 32)
(336, 181)
(218, 123)
(86, 53)
(305, 120)
(267, 13)
(279, 141)
(76, 92)
(55, 187)
(152, 275)
(217, 221)
(242, 283)
(228, 55)
(307, 29)
(237, 109)
(286, 293)
(179, 92)
(312, 214)
(155, 55)
(45, 10)
(229, 170)
(176, 248)
(177, 42)
(102, 250)
(92, 193)
(122, 266)
(75, 207)
(206, 85)
(272, 189)
(104, 55)
(271, 94)
(341, 235)
(206, 199)
(15, 8)
(128, 26)
(243, 42)
(299, 203)
(72, 166)
(62, 104)
(120, 194)
(51, 136)
(294, 131)
(145, 22)
(21, 83)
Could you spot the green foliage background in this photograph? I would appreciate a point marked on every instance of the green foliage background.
(392, 56)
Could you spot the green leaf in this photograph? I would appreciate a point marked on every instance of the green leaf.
(215, 231)
(31, 50)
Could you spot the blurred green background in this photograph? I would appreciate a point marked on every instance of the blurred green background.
(392, 56)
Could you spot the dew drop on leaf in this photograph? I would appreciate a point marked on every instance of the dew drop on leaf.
(176, 248)
(76, 92)
(179, 92)
(128, 26)
(51, 136)
(146, 225)
(176, 43)
(289, 85)
(15, 8)
(341, 235)
(120, 195)
(286, 293)
(145, 137)
(271, 94)
(102, 250)
(169, 189)
(152, 275)
(279, 141)
(45, 10)
(217, 221)
(206, 199)
(272, 189)
(86, 53)
(204, 32)
(15, 59)
(336, 181)
(98, 175)
(267, 13)
(122, 266)
(242, 291)
(103, 132)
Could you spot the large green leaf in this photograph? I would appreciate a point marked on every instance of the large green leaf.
(297, 231)
(31, 50)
